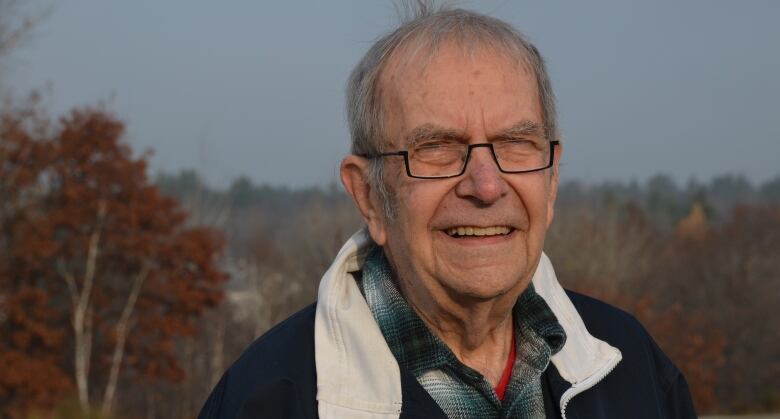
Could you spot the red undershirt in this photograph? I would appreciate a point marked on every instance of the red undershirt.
(510, 362)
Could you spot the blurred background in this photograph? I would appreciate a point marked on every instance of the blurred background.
(168, 185)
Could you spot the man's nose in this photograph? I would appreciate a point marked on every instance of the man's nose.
(482, 180)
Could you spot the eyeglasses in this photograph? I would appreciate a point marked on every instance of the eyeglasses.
(440, 159)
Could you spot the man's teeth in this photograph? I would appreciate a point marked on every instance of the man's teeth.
(478, 231)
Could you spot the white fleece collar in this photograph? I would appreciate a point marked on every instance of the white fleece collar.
(357, 375)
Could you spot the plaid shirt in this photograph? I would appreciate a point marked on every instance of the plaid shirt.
(461, 391)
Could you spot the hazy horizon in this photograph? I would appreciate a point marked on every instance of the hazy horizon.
(688, 90)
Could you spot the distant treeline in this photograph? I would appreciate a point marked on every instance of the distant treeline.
(661, 198)
(665, 202)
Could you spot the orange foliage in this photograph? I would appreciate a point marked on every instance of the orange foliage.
(695, 345)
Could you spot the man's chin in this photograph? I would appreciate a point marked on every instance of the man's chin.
(480, 288)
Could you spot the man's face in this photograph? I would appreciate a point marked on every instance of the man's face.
(480, 97)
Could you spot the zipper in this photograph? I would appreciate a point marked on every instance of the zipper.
(587, 383)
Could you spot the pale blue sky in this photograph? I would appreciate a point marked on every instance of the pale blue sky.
(688, 88)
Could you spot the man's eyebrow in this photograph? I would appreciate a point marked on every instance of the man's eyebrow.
(432, 131)
(520, 129)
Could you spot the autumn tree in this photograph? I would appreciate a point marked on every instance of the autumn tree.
(31, 336)
(91, 247)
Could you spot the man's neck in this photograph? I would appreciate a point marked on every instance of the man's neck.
(479, 333)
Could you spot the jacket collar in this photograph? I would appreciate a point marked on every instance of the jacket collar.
(357, 375)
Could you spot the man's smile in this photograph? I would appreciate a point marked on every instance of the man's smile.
(466, 231)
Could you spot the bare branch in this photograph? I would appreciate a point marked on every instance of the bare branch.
(11, 34)
(92, 255)
(70, 280)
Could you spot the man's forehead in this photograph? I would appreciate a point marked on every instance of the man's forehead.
(413, 58)
(415, 73)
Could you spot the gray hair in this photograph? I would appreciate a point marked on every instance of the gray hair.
(425, 27)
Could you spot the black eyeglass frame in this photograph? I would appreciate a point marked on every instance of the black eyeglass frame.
(405, 154)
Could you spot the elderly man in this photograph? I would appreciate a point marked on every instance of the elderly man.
(445, 305)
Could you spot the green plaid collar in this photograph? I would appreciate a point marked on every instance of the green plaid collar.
(418, 350)
(414, 346)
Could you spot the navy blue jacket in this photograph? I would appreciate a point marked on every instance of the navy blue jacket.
(276, 376)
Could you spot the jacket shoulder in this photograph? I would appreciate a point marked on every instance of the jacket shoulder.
(622, 330)
(605, 320)
(274, 377)
(645, 376)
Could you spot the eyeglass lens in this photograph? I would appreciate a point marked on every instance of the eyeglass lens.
(444, 159)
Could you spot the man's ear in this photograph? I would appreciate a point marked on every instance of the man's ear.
(354, 175)
(554, 177)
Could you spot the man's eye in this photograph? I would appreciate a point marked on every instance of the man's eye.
(430, 147)
(518, 143)
(435, 145)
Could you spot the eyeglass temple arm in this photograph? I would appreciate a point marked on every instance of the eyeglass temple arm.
(391, 153)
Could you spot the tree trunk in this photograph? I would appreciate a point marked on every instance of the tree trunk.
(83, 349)
(122, 328)
(82, 312)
